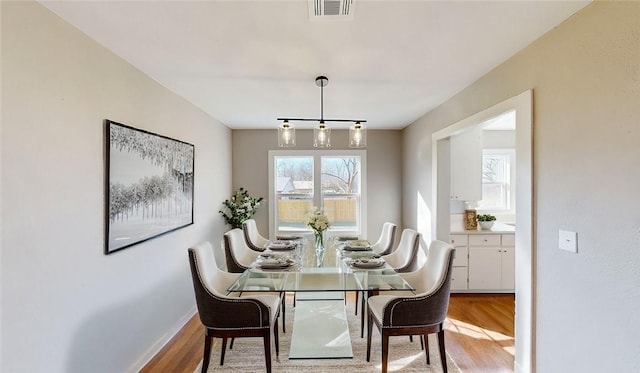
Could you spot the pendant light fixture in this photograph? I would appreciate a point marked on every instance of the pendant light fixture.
(357, 136)
(322, 133)
(286, 135)
(321, 136)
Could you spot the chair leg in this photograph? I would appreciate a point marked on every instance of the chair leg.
(275, 337)
(369, 330)
(231, 344)
(425, 342)
(385, 351)
(223, 349)
(357, 300)
(283, 310)
(207, 353)
(411, 338)
(443, 355)
(267, 350)
(363, 308)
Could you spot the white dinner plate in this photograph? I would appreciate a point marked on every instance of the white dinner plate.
(275, 264)
(368, 263)
(282, 245)
(356, 248)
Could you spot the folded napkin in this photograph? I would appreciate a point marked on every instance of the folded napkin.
(346, 238)
(368, 263)
(275, 263)
(289, 238)
(358, 243)
(282, 245)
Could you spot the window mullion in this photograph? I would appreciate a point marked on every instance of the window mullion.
(317, 182)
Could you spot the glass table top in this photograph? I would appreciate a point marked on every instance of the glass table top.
(305, 269)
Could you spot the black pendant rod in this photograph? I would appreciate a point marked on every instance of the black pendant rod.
(322, 103)
(318, 120)
(322, 81)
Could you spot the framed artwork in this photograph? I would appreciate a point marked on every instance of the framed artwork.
(470, 217)
(149, 185)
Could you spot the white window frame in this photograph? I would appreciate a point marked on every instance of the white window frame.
(317, 180)
(512, 180)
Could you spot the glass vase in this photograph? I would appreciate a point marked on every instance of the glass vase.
(319, 241)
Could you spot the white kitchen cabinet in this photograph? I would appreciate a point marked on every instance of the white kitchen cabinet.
(459, 271)
(485, 271)
(491, 262)
(459, 279)
(508, 261)
(466, 165)
(483, 262)
(508, 268)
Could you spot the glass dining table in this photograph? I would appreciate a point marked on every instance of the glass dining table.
(319, 278)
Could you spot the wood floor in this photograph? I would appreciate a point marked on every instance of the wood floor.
(479, 337)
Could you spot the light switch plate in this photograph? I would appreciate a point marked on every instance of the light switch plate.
(568, 241)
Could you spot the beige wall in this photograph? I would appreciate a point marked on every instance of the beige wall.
(67, 307)
(384, 171)
(586, 80)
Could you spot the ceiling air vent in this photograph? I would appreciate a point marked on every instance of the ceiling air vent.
(331, 9)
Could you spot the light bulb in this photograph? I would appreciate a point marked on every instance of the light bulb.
(357, 137)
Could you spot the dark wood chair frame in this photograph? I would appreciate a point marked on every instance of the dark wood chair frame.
(414, 316)
(407, 267)
(234, 267)
(231, 318)
(389, 249)
(247, 239)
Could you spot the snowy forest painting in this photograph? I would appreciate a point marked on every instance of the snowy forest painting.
(149, 185)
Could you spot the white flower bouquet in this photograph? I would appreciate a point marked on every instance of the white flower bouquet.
(318, 222)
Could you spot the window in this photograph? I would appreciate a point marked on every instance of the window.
(330, 180)
(497, 180)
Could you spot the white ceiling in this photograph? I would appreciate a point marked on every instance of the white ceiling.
(248, 62)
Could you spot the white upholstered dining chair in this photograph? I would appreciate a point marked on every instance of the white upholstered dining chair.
(403, 258)
(238, 255)
(252, 236)
(384, 245)
(226, 316)
(420, 314)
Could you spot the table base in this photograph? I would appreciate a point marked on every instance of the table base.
(320, 330)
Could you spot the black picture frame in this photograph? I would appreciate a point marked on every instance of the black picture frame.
(148, 185)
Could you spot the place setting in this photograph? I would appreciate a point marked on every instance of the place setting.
(370, 262)
(282, 245)
(357, 245)
(274, 262)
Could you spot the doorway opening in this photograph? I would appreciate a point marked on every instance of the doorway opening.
(521, 105)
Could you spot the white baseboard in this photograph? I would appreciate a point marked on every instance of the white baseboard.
(156, 347)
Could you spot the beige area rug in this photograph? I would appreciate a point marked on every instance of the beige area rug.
(404, 356)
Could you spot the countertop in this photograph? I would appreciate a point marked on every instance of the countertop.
(497, 228)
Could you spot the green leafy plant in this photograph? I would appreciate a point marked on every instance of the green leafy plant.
(239, 207)
(486, 217)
